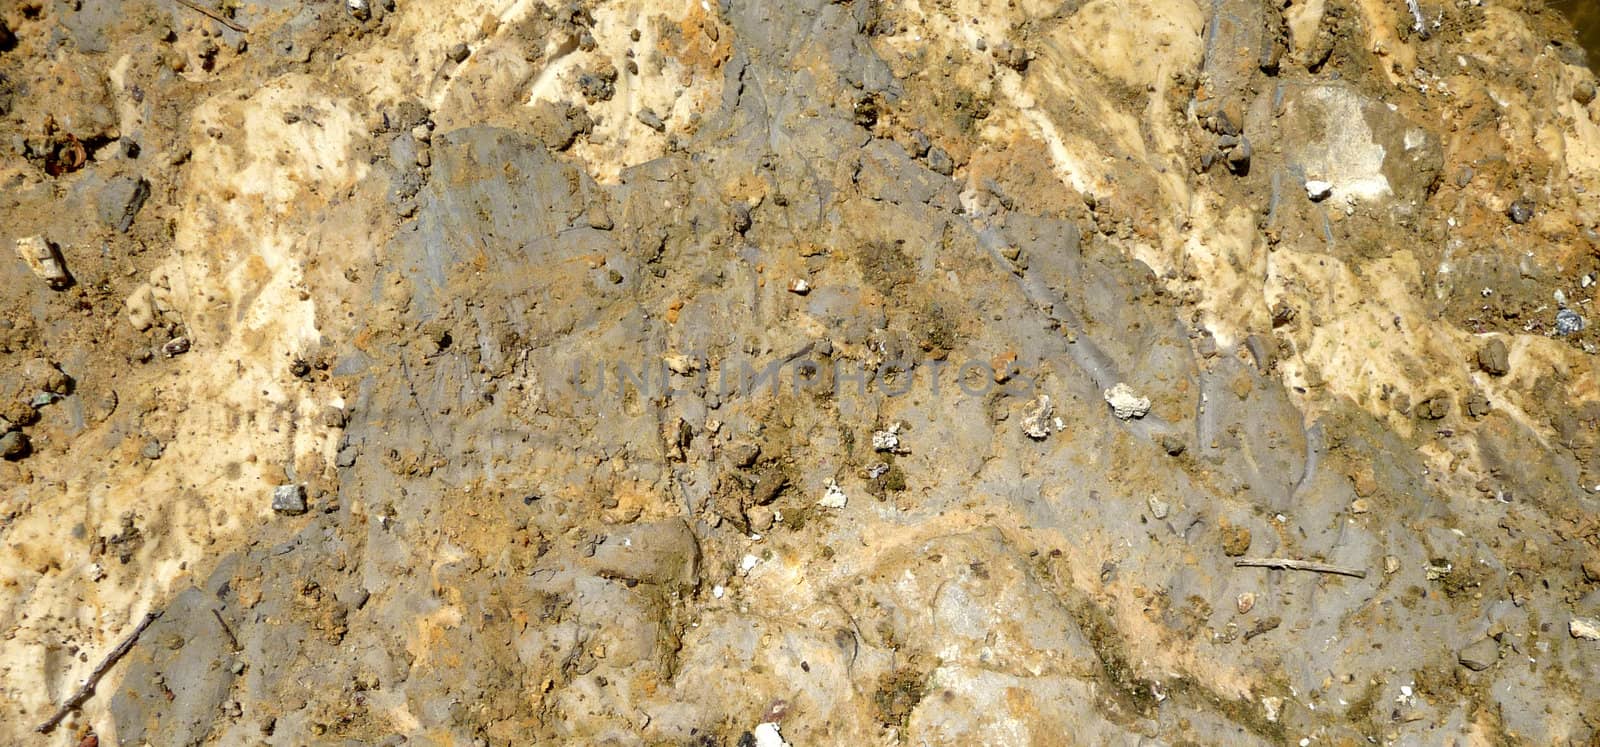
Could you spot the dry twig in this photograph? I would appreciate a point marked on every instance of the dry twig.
(213, 15)
(228, 631)
(87, 689)
(1290, 564)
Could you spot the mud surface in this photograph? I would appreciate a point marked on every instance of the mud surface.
(493, 372)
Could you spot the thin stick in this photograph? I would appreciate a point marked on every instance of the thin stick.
(213, 15)
(1289, 564)
(235, 641)
(78, 698)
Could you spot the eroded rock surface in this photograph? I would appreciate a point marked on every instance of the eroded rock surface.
(572, 332)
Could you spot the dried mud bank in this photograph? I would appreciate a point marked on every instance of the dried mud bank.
(1104, 372)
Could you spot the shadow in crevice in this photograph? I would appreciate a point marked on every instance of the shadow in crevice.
(1585, 18)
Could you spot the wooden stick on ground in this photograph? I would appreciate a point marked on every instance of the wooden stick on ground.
(235, 641)
(78, 698)
(1289, 564)
(213, 15)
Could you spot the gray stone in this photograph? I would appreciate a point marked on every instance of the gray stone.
(1520, 212)
(121, 200)
(1493, 358)
(289, 499)
(1568, 322)
(648, 117)
(1239, 156)
(1480, 655)
(14, 445)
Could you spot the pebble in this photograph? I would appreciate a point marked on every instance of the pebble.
(767, 736)
(1037, 422)
(799, 287)
(123, 199)
(761, 518)
(1239, 156)
(649, 118)
(1584, 92)
(175, 347)
(887, 440)
(1158, 507)
(1246, 602)
(1126, 403)
(682, 365)
(1520, 212)
(940, 162)
(44, 259)
(1318, 190)
(13, 445)
(744, 454)
(1173, 445)
(459, 53)
(1493, 358)
(1585, 628)
(1480, 655)
(1435, 407)
(289, 499)
(1569, 322)
(833, 496)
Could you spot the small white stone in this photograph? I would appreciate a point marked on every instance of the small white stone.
(887, 440)
(833, 497)
(748, 562)
(1586, 628)
(95, 572)
(1126, 403)
(1158, 507)
(767, 736)
(44, 259)
(682, 365)
(1318, 190)
(717, 591)
(799, 287)
(1273, 706)
(1037, 422)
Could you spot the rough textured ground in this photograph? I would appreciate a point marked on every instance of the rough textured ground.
(719, 374)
